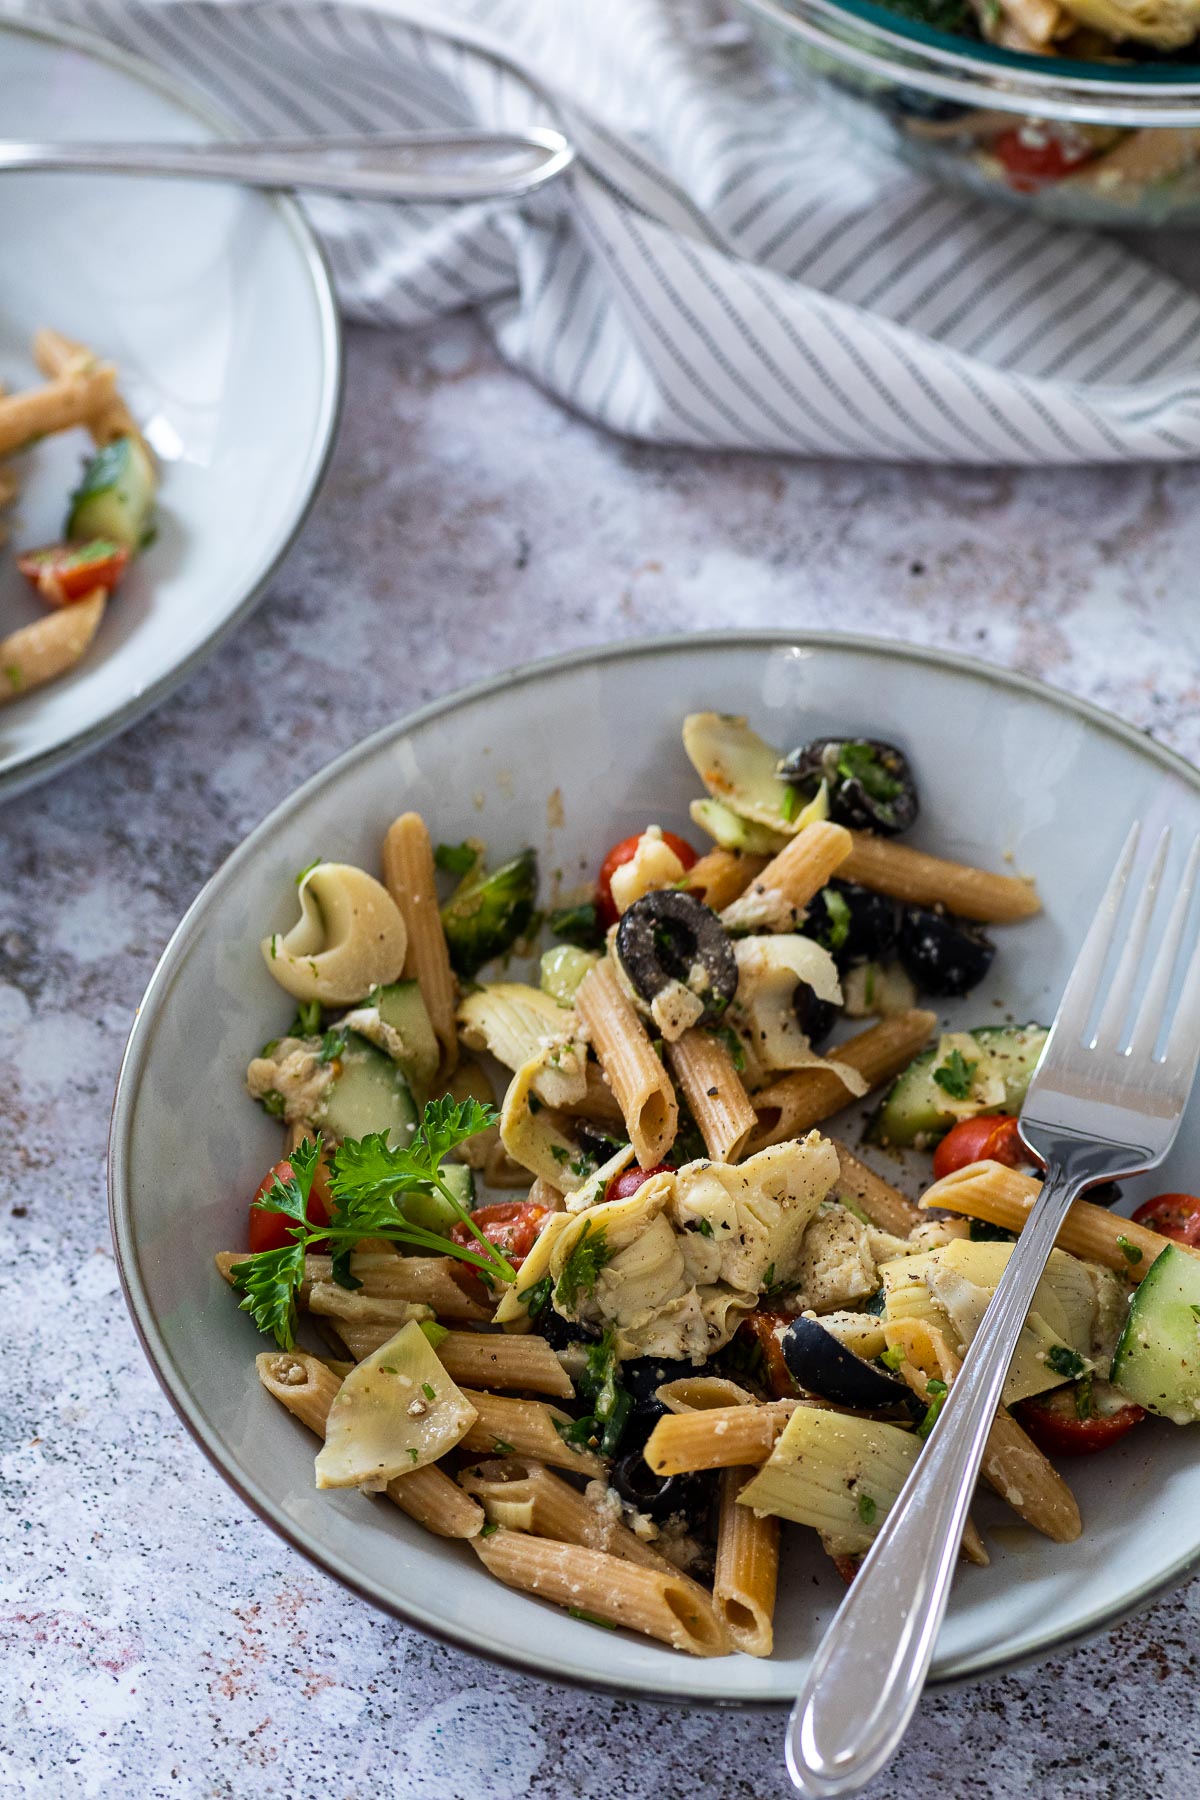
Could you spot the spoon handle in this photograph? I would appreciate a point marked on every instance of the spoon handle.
(417, 166)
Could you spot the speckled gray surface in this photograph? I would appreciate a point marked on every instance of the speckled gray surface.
(158, 1640)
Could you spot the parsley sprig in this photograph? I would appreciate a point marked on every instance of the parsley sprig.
(369, 1180)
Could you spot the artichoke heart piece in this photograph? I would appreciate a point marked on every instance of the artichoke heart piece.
(739, 769)
(350, 938)
(1167, 24)
(396, 1411)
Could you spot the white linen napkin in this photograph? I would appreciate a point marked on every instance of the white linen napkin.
(727, 267)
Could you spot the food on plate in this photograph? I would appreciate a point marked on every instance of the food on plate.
(698, 1320)
(109, 517)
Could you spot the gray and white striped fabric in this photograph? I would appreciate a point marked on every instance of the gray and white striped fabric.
(726, 267)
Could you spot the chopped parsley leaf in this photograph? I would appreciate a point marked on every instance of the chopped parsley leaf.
(893, 1358)
(489, 1528)
(1064, 1361)
(704, 1227)
(413, 1454)
(867, 1509)
(838, 913)
(536, 1297)
(733, 1043)
(428, 1390)
(273, 1102)
(589, 1254)
(1083, 1398)
(858, 761)
(1129, 1251)
(954, 1076)
(333, 1045)
(307, 1022)
(937, 1391)
(502, 1447)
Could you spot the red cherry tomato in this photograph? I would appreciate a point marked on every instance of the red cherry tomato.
(270, 1230)
(1034, 156)
(763, 1329)
(512, 1225)
(1172, 1215)
(627, 1183)
(847, 1566)
(625, 852)
(992, 1139)
(64, 573)
(1054, 1423)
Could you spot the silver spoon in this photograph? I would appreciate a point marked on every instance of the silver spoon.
(416, 165)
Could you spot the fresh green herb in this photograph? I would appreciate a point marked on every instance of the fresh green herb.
(893, 1358)
(768, 1279)
(858, 761)
(413, 1455)
(387, 1369)
(704, 1227)
(954, 1076)
(15, 678)
(983, 1233)
(837, 911)
(875, 1303)
(579, 1432)
(488, 1529)
(937, 1391)
(429, 1392)
(600, 1386)
(853, 1206)
(583, 1166)
(789, 805)
(456, 859)
(502, 1447)
(577, 1612)
(1083, 1398)
(867, 1509)
(1064, 1361)
(333, 1045)
(308, 869)
(368, 1183)
(580, 1272)
(578, 925)
(307, 1022)
(1129, 1251)
(733, 1043)
(434, 1332)
(274, 945)
(273, 1103)
(1195, 1312)
(537, 1296)
(535, 1105)
(559, 1154)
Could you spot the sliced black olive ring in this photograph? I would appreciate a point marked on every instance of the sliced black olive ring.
(871, 786)
(823, 1365)
(671, 936)
(943, 955)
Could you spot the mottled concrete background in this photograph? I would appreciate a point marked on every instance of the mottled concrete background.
(161, 1642)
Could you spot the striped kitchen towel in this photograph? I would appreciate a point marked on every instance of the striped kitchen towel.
(726, 266)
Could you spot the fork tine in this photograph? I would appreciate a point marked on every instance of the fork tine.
(1120, 994)
(1154, 1002)
(1080, 993)
(1183, 1044)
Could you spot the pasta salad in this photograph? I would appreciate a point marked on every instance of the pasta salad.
(699, 1317)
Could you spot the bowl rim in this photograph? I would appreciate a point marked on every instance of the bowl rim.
(315, 262)
(878, 42)
(133, 1061)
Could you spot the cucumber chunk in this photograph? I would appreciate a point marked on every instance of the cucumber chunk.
(115, 499)
(369, 1094)
(918, 1110)
(433, 1211)
(402, 1009)
(1157, 1359)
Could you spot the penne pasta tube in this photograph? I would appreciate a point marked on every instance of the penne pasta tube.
(704, 1071)
(56, 355)
(526, 1496)
(670, 1608)
(638, 1079)
(306, 1387)
(795, 1103)
(504, 1360)
(921, 880)
(1002, 1196)
(35, 654)
(523, 1428)
(722, 1437)
(883, 1204)
(776, 898)
(408, 875)
(722, 875)
(422, 1280)
(1012, 1463)
(747, 1569)
(69, 400)
(702, 1393)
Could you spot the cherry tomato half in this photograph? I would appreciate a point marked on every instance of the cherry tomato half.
(625, 852)
(1056, 1425)
(64, 573)
(627, 1183)
(763, 1329)
(992, 1139)
(512, 1225)
(1034, 156)
(1172, 1215)
(270, 1230)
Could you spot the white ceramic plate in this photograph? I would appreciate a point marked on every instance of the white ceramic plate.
(217, 308)
(1005, 767)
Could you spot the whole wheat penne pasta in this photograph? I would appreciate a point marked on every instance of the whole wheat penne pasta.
(722, 875)
(1001, 1196)
(1012, 1463)
(747, 1569)
(883, 1204)
(356, 1307)
(775, 900)
(408, 875)
(526, 1496)
(638, 1079)
(424, 1280)
(363, 1338)
(507, 1427)
(907, 874)
(702, 1393)
(56, 356)
(710, 1084)
(670, 1608)
(724, 1437)
(57, 405)
(35, 654)
(306, 1387)
(504, 1360)
(795, 1103)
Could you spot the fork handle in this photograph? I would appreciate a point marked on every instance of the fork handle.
(867, 1675)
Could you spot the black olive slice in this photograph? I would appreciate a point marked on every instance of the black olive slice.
(671, 936)
(823, 1365)
(943, 955)
(871, 786)
(854, 924)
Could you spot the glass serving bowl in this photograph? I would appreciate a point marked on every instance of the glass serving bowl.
(1087, 143)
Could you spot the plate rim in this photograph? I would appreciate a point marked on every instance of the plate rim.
(1029, 1649)
(40, 765)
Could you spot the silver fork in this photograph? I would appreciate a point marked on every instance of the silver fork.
(1102, 1105)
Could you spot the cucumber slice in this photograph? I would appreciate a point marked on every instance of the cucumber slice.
(370, 1094)
(918, 1111)
(115, 499)
(1157, 1359)
(433, 1211)
(402, 1009)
